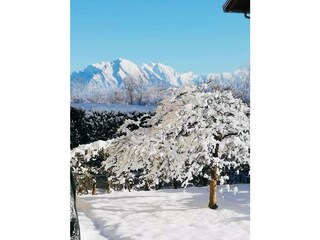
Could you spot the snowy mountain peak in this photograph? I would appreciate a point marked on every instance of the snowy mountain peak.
(101, 65)
(103, 77)
(164, 72)
(122, 61)
(127, 67)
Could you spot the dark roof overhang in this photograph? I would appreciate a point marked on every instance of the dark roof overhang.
(237, 6)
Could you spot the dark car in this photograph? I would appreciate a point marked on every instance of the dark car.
(74, 221)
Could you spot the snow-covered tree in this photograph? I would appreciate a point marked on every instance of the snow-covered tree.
(238, 82)
(191, 131)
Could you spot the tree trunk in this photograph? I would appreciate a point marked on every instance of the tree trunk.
(109, 184)
(129, 185)
(146, 186)
(85, 187)
(94, 188)
(213, 189)
(131, 98)
(175, 183)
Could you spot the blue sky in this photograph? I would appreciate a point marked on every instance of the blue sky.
(188, 35)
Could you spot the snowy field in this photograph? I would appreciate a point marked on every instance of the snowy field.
(165, 214)
(113, 107)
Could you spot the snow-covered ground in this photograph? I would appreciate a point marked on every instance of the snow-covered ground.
(166, 214)
(87, 228)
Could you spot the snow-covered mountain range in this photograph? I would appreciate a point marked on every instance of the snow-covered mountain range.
(113, 74)
(123, 75)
